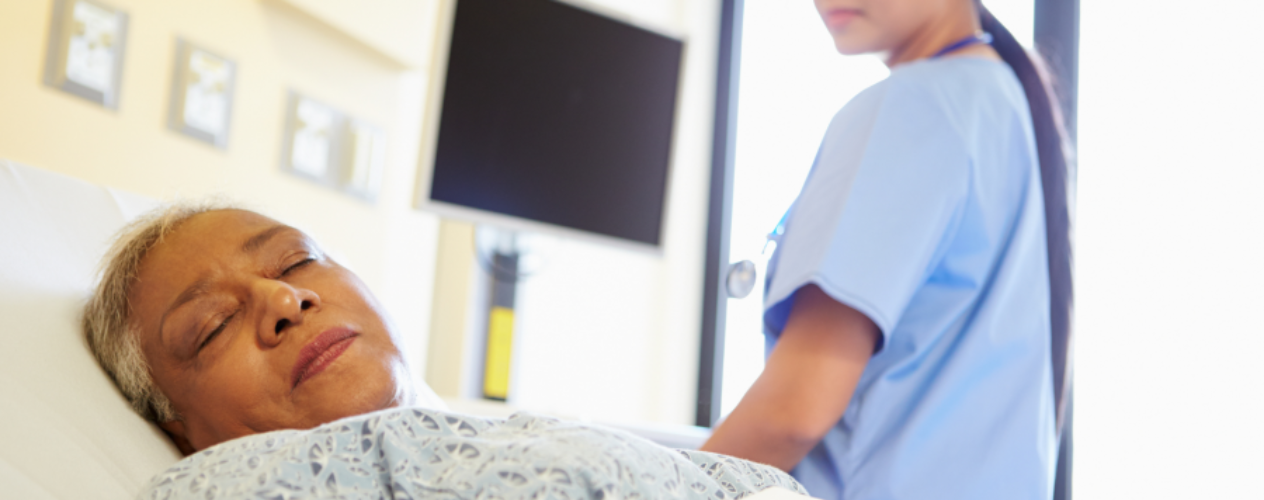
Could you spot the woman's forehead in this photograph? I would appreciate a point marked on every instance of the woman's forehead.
(223, 230)
(212, 237)
(224, 222)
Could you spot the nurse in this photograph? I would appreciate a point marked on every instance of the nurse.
(917, 303)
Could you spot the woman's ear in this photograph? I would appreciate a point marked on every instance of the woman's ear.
(175, 430)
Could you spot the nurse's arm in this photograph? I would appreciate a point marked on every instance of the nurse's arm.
(806, 384)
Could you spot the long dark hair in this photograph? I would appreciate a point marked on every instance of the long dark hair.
(1053, 151)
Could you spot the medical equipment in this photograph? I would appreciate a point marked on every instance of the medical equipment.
(555, 119)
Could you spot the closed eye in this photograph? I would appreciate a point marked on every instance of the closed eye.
(216, 332)
(297, 265)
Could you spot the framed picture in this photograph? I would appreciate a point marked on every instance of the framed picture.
(329, 147)
(201, 94)
(312, 134)
(85, 50)
(363, 160)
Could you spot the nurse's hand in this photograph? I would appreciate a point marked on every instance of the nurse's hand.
(806, 384)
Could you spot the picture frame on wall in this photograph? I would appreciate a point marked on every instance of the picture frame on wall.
(364, 160)
(312, 139)
(86, 45)
(331, 148)
(202, 94)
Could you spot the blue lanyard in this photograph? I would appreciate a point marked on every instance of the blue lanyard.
(775, 235)
(975, 38)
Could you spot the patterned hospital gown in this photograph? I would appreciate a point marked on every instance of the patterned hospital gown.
(408, 453)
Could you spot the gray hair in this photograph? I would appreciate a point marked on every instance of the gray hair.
(113, 337)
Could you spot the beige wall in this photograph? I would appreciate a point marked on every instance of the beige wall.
(395, 28)
(277, 47)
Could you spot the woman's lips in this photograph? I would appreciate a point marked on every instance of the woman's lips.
(320, 353)
(840, 18)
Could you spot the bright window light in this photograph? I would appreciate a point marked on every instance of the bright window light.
(1170, 252)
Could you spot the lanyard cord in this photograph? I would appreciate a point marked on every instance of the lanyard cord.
(974, 38)
(775, 235)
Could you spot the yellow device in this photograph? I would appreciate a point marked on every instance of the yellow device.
(499, 352)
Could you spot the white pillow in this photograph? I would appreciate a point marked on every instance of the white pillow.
(65, 431)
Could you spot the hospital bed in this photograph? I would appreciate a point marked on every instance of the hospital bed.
(65, 432)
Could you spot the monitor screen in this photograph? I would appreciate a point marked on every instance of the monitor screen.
(557, 115)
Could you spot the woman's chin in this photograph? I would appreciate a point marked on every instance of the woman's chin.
(849, 47)
(342, 395)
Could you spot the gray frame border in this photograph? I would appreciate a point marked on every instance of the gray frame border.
(55, 57)
(175, 115)
(1057, 38)
(346, 161)
(719, 215)
(333, 173)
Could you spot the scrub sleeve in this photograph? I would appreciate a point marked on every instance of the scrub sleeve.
(878, 208)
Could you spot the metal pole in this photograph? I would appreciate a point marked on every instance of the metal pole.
(711, 350)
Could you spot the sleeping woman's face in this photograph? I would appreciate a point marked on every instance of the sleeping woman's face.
(248, 327)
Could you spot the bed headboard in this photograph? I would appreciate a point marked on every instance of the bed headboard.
(65, 432)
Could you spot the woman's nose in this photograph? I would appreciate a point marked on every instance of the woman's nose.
(284, 306)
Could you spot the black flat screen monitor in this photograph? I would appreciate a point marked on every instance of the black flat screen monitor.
(557, 115)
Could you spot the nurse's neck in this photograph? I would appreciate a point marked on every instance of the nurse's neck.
(936, 35)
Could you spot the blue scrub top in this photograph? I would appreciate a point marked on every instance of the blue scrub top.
(924, 212)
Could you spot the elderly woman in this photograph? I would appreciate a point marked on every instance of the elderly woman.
(278, 373)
